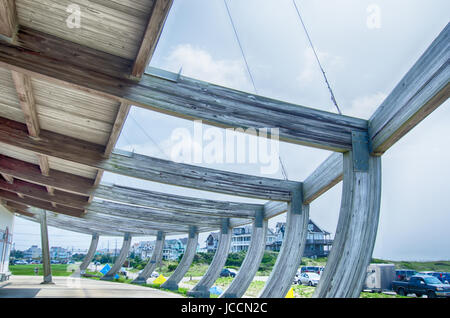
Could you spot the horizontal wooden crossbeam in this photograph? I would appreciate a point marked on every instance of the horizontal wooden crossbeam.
(12, 197)
(41, 56)
(144, 167)
(40, 193)
(170, 202)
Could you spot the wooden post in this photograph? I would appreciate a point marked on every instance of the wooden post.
(201, 290)
(154, 261)
(188, 257)
(45, 250)
(290, 256)
(90, 254)
(120, 260)
(252, 260)
(353, 245)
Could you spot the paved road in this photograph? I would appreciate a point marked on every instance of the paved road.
(69, 287)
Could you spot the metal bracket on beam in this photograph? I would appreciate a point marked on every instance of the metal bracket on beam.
(225, 226)
(360, 151)
(259, 218)
(297, 199)
(192, 231)
(157, 72)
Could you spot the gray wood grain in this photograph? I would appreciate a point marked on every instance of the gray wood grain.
(250, 264)
(185, 263)
(290, 256)
(216, 266)
(120, 259)
(154, 260)
(327, 175)
(356, 231)
(91, 252)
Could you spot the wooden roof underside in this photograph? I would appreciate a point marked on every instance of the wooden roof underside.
(65, 95)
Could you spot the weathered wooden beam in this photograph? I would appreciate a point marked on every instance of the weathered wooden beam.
(149, 214)
(91, 252)
(290, 256)
(170, 202)
(345, 271)
(8, 178)
(12, 197)
(120, 259)
(25, 94)
(8, 19)
(39, 193)
(186, 98)
(121, 117)
(185, 263)
(251, 261)
(424, 88)
(201, 290)
(152, 33)
(326, 176)
(154, 261)
(47, 269)
(144, 167)
(59, 180)
(130, 225)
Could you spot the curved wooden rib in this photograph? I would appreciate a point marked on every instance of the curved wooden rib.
(289, 259)
(345, 271)
(90, 254)
(218, 262)
(153, 262)
(251, 262)
(120, 260)
(186, 261)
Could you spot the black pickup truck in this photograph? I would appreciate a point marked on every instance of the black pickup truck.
(422, 285)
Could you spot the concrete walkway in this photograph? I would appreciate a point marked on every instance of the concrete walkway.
(69, 287)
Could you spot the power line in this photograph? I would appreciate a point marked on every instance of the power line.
(240, 46)
(317, 57)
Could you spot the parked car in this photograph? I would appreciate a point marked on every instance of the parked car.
(404, 274)
(155, 274)
(422, 285)
(310, 279)
(312, 269)
(20, 262)
(228, 272)
(442, 276)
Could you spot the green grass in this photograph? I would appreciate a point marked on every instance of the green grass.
(28, 270)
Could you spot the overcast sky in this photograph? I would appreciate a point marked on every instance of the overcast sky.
(365, 47)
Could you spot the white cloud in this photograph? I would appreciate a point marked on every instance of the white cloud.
(200, 64)
(365, 106)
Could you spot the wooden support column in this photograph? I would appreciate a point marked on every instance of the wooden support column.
(186, 261)
(45, 250)
(201, 290)
(120, 259)
(290, 256)
(353, 245)
(90, 254)
(8, 19)
(154, 261)
(252, 260)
